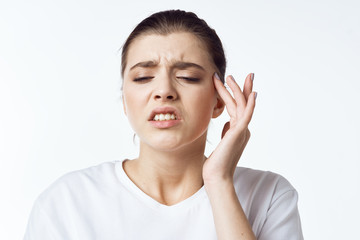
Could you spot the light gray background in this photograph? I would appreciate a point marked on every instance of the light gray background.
(60, 107)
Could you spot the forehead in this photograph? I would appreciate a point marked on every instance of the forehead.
(166, 49)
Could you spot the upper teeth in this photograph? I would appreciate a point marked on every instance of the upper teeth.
(164, 117)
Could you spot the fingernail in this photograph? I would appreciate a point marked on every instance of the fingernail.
(252, 77)
(217, 76)
(232, 78)
(255, 95)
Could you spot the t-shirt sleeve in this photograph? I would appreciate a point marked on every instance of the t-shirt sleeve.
(39, 226)
(283, 220)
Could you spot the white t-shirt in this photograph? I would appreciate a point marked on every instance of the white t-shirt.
(102, 203)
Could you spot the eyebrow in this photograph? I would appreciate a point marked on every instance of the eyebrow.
(146, 64)
(184, 65)
(179, 65)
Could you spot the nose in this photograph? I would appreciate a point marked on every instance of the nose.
(165, 90)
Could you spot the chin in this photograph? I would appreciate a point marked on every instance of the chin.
(171, 144)
(166, 147)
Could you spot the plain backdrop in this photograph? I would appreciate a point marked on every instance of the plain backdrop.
(61, 110)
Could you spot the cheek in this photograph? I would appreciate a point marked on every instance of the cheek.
(203, 104)
(131, 102)
(133, 116)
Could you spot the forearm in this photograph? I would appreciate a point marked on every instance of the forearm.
(229, 217)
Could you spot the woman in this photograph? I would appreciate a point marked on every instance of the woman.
(173, 68)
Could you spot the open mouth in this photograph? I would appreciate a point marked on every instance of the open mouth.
(165, 113)
(164, 117)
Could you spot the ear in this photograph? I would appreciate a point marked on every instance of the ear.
(218, 107)
(123, 103)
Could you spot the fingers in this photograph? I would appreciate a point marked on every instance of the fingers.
(238, 94)
(248, 85)
(249, 110)
(243, 103)
(225, 95)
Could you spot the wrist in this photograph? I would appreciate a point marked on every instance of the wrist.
(219, 186)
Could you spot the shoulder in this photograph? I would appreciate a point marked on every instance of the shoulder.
(259, 190)
(102, 172)
(84, 181)
(251, 180)
(270, 203)
(70, 199)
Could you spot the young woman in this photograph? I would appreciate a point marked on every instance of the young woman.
(173, 68)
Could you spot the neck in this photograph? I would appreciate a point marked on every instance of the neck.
(168, 176)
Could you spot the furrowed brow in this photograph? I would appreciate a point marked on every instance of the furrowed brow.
(146, 64)
(178, 65)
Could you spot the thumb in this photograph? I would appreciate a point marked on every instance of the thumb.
(225, 129)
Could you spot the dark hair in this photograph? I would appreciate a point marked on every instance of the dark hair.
(166, 22)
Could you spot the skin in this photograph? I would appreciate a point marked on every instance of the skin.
(171, 165)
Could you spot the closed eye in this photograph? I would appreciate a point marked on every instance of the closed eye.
(190, 79)
(142, 79)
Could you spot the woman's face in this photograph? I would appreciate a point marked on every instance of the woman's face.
(168, 91)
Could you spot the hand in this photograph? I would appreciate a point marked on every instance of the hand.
(222, 163)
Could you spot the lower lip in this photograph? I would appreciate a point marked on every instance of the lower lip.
(164, 124)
